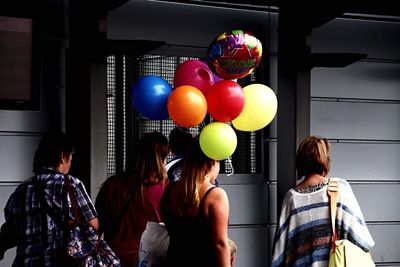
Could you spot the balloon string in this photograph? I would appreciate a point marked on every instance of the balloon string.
(230, 163)
(202, 125)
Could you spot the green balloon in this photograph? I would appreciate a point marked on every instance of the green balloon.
(218, 140)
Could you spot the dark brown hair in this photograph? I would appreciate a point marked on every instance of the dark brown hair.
(149, 159)
(179, 139)
(313, 157)
(48, 153)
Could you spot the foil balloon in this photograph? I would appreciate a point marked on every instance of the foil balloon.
(234, 55)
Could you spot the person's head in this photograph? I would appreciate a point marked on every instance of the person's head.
(54, 151)
(150, 157)
(313, 157)
(196, 168)
(233, 249)
(179, 139)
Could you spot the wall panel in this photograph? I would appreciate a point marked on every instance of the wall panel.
(377, 39)
(365, 161)
(248, 203)
(379, 202)
(252, 246)
(387, 243)
(355, 120)
(16, 163)
(360, 80)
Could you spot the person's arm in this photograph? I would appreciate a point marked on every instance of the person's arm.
(100, 208)
(86, 206)
(94, 223)
(7, 238)
(218, 211)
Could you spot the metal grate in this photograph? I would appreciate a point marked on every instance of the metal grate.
(246, 158)
(162, 66)
(111, 158)
(124, 108)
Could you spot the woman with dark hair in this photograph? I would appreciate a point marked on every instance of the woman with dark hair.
(126, 202)
(304, 233)
(196, 214)
(37, 233)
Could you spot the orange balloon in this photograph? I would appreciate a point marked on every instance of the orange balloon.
(187, 106)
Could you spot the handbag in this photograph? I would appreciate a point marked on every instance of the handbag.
(344, 253)
(83, 244)
(154, 244)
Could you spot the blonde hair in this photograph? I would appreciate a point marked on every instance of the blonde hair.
(196, 166)
(232, 247)
(313, 157)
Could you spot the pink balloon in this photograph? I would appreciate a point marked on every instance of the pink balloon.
(195, 73)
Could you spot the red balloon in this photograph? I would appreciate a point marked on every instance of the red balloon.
(187, 106)
(195, 73)
(235, 54)
(225, 100)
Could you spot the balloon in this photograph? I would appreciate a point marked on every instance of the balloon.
(225, 100)
(234, 54)
(187, 106)
(150, 95)
(218, 140)
(259, 108)
(194, 73)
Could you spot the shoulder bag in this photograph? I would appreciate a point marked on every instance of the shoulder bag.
(154, 244)
(343, 252)
(84, 244)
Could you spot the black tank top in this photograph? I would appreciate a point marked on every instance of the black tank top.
(190, 240)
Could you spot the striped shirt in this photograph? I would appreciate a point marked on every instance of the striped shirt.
(304, 233)
(23, 210)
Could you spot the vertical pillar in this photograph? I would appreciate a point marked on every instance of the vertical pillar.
(85, 43)
(293, 95)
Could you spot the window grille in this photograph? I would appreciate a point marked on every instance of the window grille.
(111, 158)
(246, 158)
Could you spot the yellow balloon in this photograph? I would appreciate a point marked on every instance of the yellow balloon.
(218, 140)
(260, 106)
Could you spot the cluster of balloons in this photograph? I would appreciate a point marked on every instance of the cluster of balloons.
(210, 87)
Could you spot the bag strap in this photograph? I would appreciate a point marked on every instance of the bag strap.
(333, 188)
(200, 212)
(72, 197)
(121, 214)
(39, 187)
(44, 208)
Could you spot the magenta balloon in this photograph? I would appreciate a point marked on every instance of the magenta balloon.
(195, 73)
(225, 100)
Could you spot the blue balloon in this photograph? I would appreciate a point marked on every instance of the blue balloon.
(150, 97)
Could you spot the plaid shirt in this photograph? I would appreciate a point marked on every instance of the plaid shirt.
(24, 212)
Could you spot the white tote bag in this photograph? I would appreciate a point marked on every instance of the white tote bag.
(153, 245)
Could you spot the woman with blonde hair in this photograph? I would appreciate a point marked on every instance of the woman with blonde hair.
(304, 233)
(196, 214)
(125, 203)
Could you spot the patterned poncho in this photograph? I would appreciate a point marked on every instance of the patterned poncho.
(304, 234)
